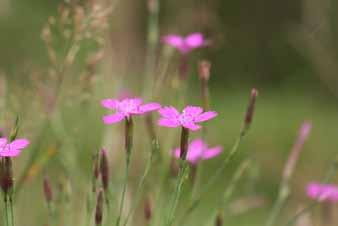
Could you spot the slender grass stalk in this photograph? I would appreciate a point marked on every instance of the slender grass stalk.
(139, 190)
(128, 147)
(327, 178)
(212, 180)
(152, 41)
(7, 218)
(184, 171)
(175, 198)
(230, 190)
(284, 188)
(204, 75)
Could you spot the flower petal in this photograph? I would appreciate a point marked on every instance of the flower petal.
(19, 144)
(212, 152)
(3, 141)
(109, 103)
(168, 122)
(192, 126)
(192, 110)
(195, 40)
(169, 112)
(175, 41)
(206, 116)
(10, 152)
(110, 119)
(149, 107)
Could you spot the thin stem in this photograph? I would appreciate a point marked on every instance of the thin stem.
(212, 180)
(6, 211)
(177, 193)
(283, 194)
(328, 176)
(128, 147)
(152, 41)
(141, 184)
(11, 209)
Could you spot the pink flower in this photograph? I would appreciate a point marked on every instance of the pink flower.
(198, 150)
(191, 115)
(125, 108)
(13, 148)
(322, 192)
(185, 44)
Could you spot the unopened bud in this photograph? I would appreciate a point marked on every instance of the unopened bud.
(104, 169)
(250, 111)
(204, 70)
(219, 220)
(148, 209)
(47, 189)
(153, 6)
(99, 208)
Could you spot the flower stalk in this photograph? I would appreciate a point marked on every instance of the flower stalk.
(284, 188)
(128, 148)
(184, 172)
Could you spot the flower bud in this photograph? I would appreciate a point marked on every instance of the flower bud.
(147, 210)
(250, 111)
(104, 169)
(204, 70)
(47, 189)
(99, 208)
(219, 220)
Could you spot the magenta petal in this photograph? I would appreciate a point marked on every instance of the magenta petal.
(192, 110)
(168, 122)
(192, 126)
(177, 152)
(206, 116)
(19, 144)
(212, 152)
(137, 101)
(195, 40)
(10, 152)
(150, 107)
(3, 141)
(109, 103)
(175, 41)
(169, 112)
(110, 119)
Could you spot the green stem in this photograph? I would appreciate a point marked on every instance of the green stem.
(328, 176)
(283, 194)
(11, 209)
(212, 180)
(177, 193)
(152, 41)
(142, 182)
(6, 211)
(124, 190)
(128, 147)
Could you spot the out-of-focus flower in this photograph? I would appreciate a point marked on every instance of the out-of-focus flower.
(12, 149)
(198, 150)
(322, 192)
(190, 115)
(125, 108)
(185, 44)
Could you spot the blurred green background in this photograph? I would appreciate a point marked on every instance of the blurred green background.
(285, 49)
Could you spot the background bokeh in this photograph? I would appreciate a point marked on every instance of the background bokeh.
(285, 49)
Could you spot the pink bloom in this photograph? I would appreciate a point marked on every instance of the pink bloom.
(322, 192)
(199, 150)
(185, 44)
(125, 108)
(190, 115)
(13, 148)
